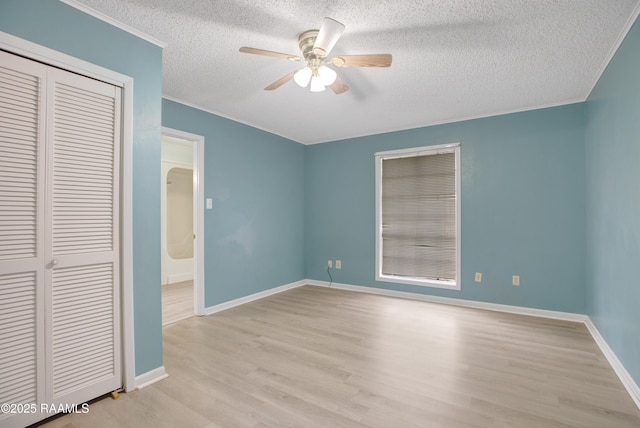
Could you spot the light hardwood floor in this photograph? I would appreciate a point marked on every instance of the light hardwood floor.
(177, 302)
(319, 357)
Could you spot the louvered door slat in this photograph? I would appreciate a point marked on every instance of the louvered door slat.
(75, 306)
(94, 328)
(18, 352)
(92, 155)
(18, 86)
(79, 350)
(95, 120)
(15, 329)
(11, 360)
(15, 123)
(79, 98)
(15, 141)
(80, 115)
(98, 105)
(88, 229)
(18, 109)
(90, 143)
(24, 160)
(15, 144)
(89, 161)
(19, 97)
(10, 233)
(13, 326)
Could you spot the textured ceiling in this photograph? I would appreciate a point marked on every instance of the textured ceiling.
(452, 59)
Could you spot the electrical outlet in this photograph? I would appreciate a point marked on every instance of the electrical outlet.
(330, 264)
(515, 280)
(338, 264)
(478, 276)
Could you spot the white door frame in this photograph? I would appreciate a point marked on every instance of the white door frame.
(49, 56)
(198, 212)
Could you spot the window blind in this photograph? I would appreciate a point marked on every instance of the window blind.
(419, 216)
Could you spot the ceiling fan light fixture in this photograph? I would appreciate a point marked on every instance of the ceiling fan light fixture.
(316, 84)
(327, 75)
(303, 77)
(315, 46)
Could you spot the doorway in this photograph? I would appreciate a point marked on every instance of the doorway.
(181, 226)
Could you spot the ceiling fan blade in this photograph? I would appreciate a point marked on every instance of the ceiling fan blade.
(339, 86)
(373, 60)
(270, 53)
(329, 33)
(280, 82)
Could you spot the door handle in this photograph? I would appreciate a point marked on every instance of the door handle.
(54, 262)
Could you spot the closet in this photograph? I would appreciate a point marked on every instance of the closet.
(59, 239)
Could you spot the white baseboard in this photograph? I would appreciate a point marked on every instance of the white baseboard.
(623, 374)
(151, 377)
(261, 295)
(179, 277)
(565, 316)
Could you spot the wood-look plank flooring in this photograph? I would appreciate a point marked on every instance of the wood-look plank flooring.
(177, 302)
(319, 357)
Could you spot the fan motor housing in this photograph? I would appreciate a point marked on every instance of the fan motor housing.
(306, 40)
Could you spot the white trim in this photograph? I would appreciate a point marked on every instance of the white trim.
(151, 377)
(623, 374)
(49, 56)
(128, 344)
(519, 310)
(614, 48)
(418, 151)
(45, 55)
(431, 283)
(411, 152)
(198, 163)
(381, 132)
(261, 295)
(198, 212)
(226, 116)
(180, 277)
(109, 20)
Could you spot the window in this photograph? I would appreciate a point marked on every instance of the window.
(418, 216)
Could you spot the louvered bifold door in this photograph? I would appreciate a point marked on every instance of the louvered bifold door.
(21, 246)
(83, 347)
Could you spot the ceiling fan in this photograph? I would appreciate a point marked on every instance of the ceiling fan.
(315, 46)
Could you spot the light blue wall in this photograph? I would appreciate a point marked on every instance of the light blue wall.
(254, 233)
(62, 28)
(523, 207)
(613, 204)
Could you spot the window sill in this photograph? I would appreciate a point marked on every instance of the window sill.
(450, 285)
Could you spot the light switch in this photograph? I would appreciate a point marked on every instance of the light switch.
(209, 203)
